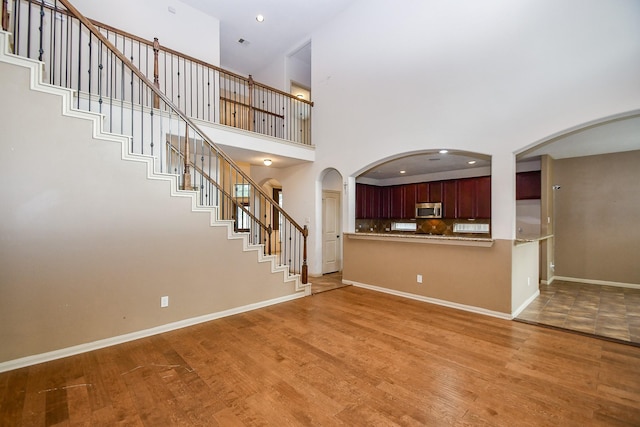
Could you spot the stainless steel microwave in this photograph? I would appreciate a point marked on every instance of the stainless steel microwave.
(429, 210)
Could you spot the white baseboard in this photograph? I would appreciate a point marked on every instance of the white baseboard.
(598, 282)
(548, 282)
(95, 345)
(525, 304)
(436, 301)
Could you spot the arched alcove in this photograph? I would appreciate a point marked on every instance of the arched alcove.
(457, 182)
(585, 207)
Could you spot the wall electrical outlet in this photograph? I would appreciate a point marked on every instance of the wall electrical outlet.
(419, 278)
(528, 281)
(164, 301)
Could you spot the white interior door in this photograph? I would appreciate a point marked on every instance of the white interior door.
(331, 232)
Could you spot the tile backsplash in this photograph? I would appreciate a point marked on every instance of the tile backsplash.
(440, 227)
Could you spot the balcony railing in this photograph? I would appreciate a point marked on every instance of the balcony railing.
(107, 78)
(201, 90)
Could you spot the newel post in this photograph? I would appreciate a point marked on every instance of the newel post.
(156, 72)
(305, 273)
(251, 84)
(5, 15)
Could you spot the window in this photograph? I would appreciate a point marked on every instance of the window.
(243, 220)
(277, 196)
(241, 190)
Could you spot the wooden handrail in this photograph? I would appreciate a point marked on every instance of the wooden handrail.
(196, 60)
(215, 184)
(151, 44)
(165, 99)
(244, 104)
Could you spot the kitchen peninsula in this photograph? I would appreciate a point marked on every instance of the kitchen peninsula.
(452, 260)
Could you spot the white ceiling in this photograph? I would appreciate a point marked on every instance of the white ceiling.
(287, 27)
(286, 31)
(427, 163)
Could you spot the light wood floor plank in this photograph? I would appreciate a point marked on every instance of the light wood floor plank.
(344, 357)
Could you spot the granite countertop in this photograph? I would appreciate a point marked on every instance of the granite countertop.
(527, 238)
(424, 238)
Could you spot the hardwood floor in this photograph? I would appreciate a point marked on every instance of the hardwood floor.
(346, 357)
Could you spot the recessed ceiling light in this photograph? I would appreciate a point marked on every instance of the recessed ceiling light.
(443, 151)
(300, 95)
(259, 18)
(403, 171)
(471, 162)
(267, 162)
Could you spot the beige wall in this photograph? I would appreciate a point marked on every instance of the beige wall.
(474, 276)
(88, 245)
(598, 213)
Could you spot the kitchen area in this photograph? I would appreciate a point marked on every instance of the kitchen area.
(429, 236)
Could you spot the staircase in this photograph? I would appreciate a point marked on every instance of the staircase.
(91, 243)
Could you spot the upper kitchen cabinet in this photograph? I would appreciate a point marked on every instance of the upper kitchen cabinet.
(472, 198)
(460, 198)
(435, 192)
(528, 185)
(465, 198)
(483, 197)
(422, 192)
(449, 199)
(396, 195)
(410, 193)
(368, 201)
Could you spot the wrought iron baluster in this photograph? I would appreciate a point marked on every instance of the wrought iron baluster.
(89, 68)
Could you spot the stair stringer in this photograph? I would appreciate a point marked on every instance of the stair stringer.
(67, 95)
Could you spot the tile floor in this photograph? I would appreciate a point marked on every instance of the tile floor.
(326, 282)
(606, 311)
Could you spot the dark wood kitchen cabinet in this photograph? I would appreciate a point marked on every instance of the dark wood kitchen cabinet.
(409, 199)
(483, 198)
(422, 192)
(367, 201)
(385, 202)
(373, 203)
(397, 201)
(435, 192)
(449, 198)
(465, 197)
(528, 185)
(460, 198)
(360, 200)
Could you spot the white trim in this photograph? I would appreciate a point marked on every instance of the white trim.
(525, 304)
(436, 301)
(107, 342)
(598, 282)
(548, 282)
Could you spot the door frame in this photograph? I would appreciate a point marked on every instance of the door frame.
(339, 227)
